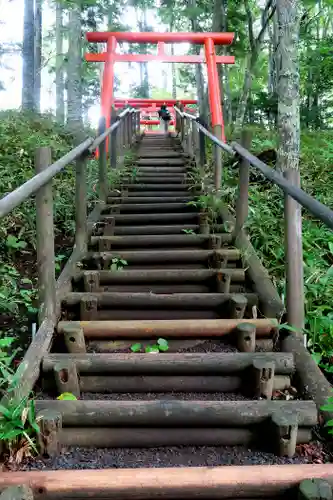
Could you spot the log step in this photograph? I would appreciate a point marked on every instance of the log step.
(168, 364)
(152, 207)
(147, 200)
(169, 413)
(149, 194)
(175, 229)
(101, 437)
(161, 276)
(159, 187)
(128, 218)
(147, 300)
(181, 257)
(184, 240)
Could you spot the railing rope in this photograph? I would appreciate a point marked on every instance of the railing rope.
(294, 197)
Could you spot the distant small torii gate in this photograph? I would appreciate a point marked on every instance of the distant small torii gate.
(209, 40)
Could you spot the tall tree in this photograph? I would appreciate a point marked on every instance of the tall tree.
(74, 69)
(59, 70)
(38, 52)
(28, 56)
(288, 150)
(255, 44)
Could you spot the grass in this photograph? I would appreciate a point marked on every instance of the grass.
(266, 228)
(21, 134)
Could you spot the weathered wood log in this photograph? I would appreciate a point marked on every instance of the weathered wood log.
(112, 345)
(159, 240)
(91, 281)
(311, 379)
(168, 328)
(263, 374)
(165, 256)
(156, 384)
(238, 304)
(285, 426)
(151, 229)
(148, 218)
(166, 363)
(88, 306)
(74, 338)
(158, 275)
(204, 223)
(171, 483)
(147, 300)
(21, 492)
(246, 337)
(143, 438)
(66, 377)
(160, 314)
(49, 437)
(177, 413)
(315, 489)
(223, 282)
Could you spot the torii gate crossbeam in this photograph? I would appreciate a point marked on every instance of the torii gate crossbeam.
(209, 40)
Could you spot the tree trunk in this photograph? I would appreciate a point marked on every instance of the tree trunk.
(60, 104)
(173, 67)
(74, 90)
(145, 75)
(199, 79)
(38, 53)
(255, 46)
(28, 56)
(288, 153)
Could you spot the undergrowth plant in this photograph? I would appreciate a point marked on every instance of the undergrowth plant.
(18, 421)
(117, 264)
(266, 228)
(161, 345)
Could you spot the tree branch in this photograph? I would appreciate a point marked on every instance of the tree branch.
(249, 24)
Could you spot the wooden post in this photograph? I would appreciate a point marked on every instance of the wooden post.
(74, 339)
(294, 256)
(113, 144)
(196, 145)
(190, 138)
(128, 130)
(81, 229)
(238, 303)
(246, 337)
(50, 424)
(45, 240)
(66, 377)
(242, 203)
(218, 158)
(102, 163)
(264, 370)
(286, 427)
(202, 145)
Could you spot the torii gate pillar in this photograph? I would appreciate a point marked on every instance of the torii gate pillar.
(209, 40)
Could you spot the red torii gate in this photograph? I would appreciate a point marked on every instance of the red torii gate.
(209, 40)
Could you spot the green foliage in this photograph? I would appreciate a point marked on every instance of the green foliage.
(329, 407)
(117, 264)
(18, 422)
(161, 345)
(188, 231)
(266, 228)
(67, 396)
(21, 134)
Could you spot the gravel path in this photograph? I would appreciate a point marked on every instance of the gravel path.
(83, 458)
